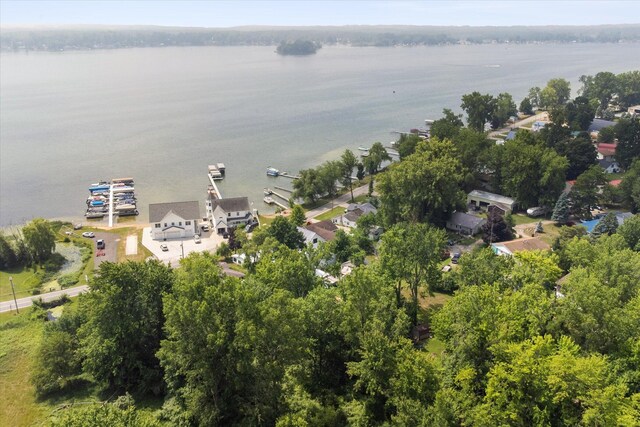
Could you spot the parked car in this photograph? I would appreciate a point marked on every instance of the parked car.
(455, 258)
(164, 247)
(100, 244)
(537, 211)
(196, 239)
(88, 234)
(204, 227)
(77, 226)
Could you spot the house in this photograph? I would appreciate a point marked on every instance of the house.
(598, 124)
(520, 245)
(326, 277)
(634, 109)
(174, 220)
(353, 212)
(241, 258)
(538, 126)
(229, 213)
(609, 166)
(319, 232)
(346, 268)
(464, 223)
(481, 200)
(606, 152)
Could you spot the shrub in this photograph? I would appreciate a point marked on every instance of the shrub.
(68, 280)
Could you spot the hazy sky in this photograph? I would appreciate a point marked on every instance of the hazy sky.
(234, 13)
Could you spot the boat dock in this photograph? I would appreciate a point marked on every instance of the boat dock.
(269, 192)
(270, 201)
(217, 171)
(288, 175)
(115, 198)
(213, 189)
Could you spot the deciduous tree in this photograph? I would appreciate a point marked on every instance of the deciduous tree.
(479, 109)
(40, 239)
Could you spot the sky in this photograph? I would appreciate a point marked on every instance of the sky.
(305, 13)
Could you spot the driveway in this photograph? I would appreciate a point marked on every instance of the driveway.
(209, 243)
(110, 245)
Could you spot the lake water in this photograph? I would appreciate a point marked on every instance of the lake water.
(162, 115)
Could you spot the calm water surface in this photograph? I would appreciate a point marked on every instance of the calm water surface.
(162, 115)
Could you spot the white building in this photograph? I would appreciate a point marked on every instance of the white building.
(319, 232)
(174, 220)
(353, 212)
(464, 223)
(229, 213)
(478, 199)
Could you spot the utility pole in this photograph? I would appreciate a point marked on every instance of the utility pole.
(14, 294)
(182, 247)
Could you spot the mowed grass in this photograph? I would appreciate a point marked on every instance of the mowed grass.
(519, 219)
(337, 211)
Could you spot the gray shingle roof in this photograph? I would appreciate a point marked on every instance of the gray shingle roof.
(465, 220)
(187, 210)
(232, 204)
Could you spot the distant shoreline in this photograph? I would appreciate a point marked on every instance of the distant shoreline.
(65, 38)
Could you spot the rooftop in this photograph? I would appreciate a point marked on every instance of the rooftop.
(325, 229)
(497, 198)
(186, 210)
(599, 124)
(530, 244)
(465, 220)
(232, 204)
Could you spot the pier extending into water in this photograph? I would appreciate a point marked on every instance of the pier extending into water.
(271, 201)
(269, 192)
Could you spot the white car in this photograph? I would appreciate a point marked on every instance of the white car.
(88, 234)
(164, 247)
(537, 211)
(196, 239)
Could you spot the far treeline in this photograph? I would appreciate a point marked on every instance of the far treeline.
(110, 37)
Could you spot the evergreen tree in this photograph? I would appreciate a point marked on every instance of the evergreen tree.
(561, 210)
(525, 106)
(607, 225)
(8, 257)
(539, 228)
(297, 216)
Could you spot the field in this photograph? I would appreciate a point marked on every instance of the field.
(338, 210)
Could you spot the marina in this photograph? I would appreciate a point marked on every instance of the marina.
(114, 198)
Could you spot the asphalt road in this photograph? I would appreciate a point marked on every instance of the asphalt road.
(49, 296)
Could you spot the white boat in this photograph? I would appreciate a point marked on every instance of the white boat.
(272, 171)
(361, 148)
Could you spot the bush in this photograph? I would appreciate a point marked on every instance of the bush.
(54, 263)
(68, 280)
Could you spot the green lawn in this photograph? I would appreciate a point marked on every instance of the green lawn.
(266, 220)
(519, 219)
(24, 280)
(338, 210)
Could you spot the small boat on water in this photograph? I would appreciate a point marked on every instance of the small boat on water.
(361, 148)
(269, 200)
(272, 171)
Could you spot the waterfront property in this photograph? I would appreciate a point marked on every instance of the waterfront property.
(315, 233)
(229, 213)
(465, 223)
(174, 220)
(353, 212)
(482, 200)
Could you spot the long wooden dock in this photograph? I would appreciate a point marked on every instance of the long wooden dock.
(268, 192)
(271, 201)
(283, 189)
(288, 175)
(214, 188)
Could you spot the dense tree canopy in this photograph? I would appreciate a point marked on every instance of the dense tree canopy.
(40, 239)
(479, 109)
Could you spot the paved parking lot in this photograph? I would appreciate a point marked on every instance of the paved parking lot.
(110, 245)
(209, 243)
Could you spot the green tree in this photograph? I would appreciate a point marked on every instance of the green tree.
(504, 109)
(607, 135)
(342, 247)
(99, 415)
(556, 93)
(607, 226)
(348, 163)
(360, 172)
(40, 239)
(482, 266)
(584, 193)
(446, 127)
(630, 231)
(410, 253)
(562, 208)
(328, 175)
(474, 150)
(534, 97)
(285, 232)
(479, 109)
(580, 153)
(601, 87)
(630, 186)
(307, 186)
(406, 144)
(8, 258)
(628, 134)
(424, 186)
(125, 302)
(297, 216)
(629, 88)
(525, 106)
(287, 269)
(377, 155)
(580, 113)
